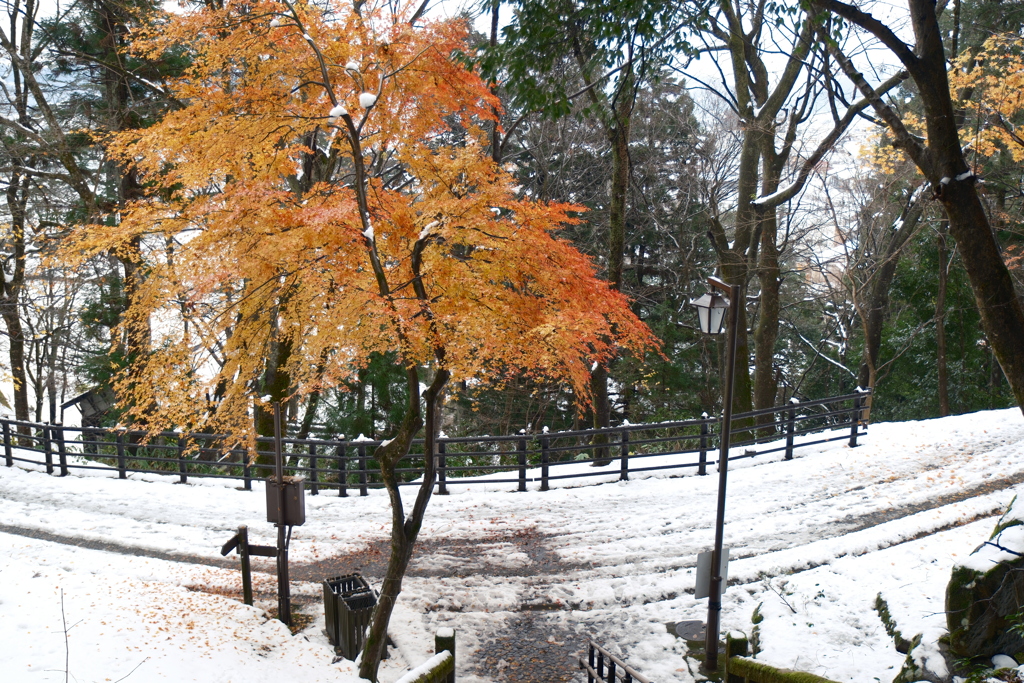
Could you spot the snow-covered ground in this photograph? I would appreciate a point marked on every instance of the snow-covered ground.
(813, 542)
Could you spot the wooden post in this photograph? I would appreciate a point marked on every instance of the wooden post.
(855, 421)
(342, 472)
(545, 458)
(702, 466)
(522, 464)
(624, 469)
(182, 468)
(47, 450)
(122, 464)
(62, 452)
(362, 471)
(243, 553)
(790, 427)
(444, 639)
(314, 475)
(735, 646)
(8, 454)
(442, 467)
(246, 471)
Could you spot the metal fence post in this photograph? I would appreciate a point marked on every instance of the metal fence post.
(522, 464)
(122, 465)
(791, 427)
(182, 467)
(702, 465)
(47, 449)
(342, 471)
(442, 466)
(362, 471)
(590, 660)
(314, 475)
(62, 452)
(545, 458)
(624, 469)
(855, 421)
(8, 454)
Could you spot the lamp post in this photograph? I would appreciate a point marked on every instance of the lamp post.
(710, 310)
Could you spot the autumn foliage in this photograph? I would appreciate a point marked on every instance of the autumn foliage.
(323, 184)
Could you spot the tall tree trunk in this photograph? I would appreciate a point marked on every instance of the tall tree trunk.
(618, 138)
(276, 382)
(940, 321)
(734, 261)
(10, 297)
(874, 305)
(496, 146)
(766, 333)
(942, 162)
(404, 530)
(1002, 317)
(767, 330)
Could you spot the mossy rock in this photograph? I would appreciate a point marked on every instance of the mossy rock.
(982, 607)
(903, 646)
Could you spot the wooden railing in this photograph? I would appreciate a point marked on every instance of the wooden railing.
(539, 459)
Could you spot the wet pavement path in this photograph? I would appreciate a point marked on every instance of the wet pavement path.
(536, 643)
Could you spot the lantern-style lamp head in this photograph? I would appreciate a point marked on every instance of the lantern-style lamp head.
(711, 310)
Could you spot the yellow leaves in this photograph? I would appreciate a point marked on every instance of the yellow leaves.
(989, 89)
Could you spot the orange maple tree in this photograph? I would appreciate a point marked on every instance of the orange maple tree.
(323, 188)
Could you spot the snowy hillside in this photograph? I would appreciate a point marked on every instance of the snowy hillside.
(813, 541)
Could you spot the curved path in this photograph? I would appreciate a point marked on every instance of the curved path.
(523, 577)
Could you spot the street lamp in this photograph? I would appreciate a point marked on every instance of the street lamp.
(710, 310)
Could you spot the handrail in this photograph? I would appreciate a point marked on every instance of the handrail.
(595, 669)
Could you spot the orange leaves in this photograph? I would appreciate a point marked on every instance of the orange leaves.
(282, 211)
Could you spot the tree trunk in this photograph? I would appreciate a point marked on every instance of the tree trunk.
(10, 298)
(312, 403)
(16, 354)
(942, 162)
(767, 331)
(940, 322)
(875, 308)
(618, 136)
(601, 412)
(1002, 317)
(275, 384)
(404, 531)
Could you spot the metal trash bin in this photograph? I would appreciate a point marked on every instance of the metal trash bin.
(348, 604)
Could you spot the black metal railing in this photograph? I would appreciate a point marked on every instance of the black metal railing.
(605, 667)
(521, 459)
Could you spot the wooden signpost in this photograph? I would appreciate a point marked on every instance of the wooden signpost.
(285, 508)
(245, 550)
